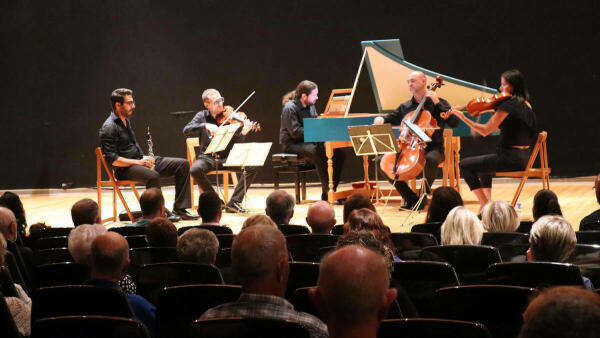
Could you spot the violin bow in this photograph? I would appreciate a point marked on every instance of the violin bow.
(238, 108)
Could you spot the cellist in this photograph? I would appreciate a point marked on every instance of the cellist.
(517, 123)
(435, 149)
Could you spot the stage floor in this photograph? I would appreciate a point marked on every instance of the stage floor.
(576, 197)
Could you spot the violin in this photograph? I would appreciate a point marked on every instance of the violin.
(481, 105)
(409, 162)
(230, 116)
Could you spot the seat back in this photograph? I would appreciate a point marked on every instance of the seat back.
(498, 307)
(337, 229)
(150, 255)
(127, 230)
(302, 274)
(7, 284)
(513, 252)
(469, 261)
(586, 254)
(431, 328)
(225, 241)
(216, 229)
(153, 277)
(498, 238)
(49, 256)
(49, 232)
(248, 328)
(179, 306)
(534, 274)
(51, 242)
(434, 228)
(138, 241)
(409, 244)
(15, 271)
(305, 248)
(79, 300)
(290, 229)
(592, 226)
(89, 327)
(525, 227)
(420, 279)
(588, 237)
(56, 274)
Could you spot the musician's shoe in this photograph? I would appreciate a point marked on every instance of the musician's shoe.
(340, 201)
(172, 217)
(235, 207)
(411, 206)
(185, 215)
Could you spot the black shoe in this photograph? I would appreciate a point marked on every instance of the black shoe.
(172, 217)
(411, 205)
(340, 201)
(185, 215)
(235, 207)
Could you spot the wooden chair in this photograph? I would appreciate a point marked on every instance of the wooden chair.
(112, 182)
(529, 171)
(192, 143)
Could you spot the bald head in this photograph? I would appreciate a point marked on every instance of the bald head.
(280, 206)
(152, 203)
(321, 217)
(258, 254)
(353, 286)
(416, 83)
(8, 224)
(110, 256)
(85, 211)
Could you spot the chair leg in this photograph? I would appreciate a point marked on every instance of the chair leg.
(192, 192)
(114, 219)
(519, 189)
(297, 188)
(124, 204)
(226, 187)
(303, 181)
(99, 188)
(234, 178)
(276, 180)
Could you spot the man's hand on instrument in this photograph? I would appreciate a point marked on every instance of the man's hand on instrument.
(212, 128)
(247, 127)
(451, 112)
(433, 96)
(378, 120)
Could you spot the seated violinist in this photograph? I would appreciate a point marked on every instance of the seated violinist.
(434, 149)
(204, 125)
(516, 121)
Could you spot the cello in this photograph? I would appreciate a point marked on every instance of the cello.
(409, 162)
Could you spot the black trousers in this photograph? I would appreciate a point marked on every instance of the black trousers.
(206, 163)
(433, 158)
(478, 171)
(314, 153)
(179, 168)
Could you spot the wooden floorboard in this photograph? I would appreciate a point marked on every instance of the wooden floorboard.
(576, 197)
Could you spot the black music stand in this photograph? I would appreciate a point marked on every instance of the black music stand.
(373, 140)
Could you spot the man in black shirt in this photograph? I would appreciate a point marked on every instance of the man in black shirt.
(204, 125)
(291, 135)
(435, 149)
(124, 153)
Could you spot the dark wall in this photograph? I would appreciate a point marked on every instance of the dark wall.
(61, 59)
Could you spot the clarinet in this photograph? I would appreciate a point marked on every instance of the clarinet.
(150, 144)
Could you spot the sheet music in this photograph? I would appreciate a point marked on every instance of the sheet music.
(222, 138)
(248, 154)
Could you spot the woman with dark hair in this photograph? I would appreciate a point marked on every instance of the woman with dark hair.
(12, 201)
(366, 219)
(515, 119)
(545, 202)
(444, 199)
(354, 202)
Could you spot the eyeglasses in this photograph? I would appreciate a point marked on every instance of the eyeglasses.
(129, 103)
(218, 101)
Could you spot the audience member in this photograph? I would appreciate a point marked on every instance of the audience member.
(594, 217)
(366, 239)
(365, 219)
(85, 211)
(210, 208)
(462, 227)
(499, 216)
(353, 294)
(152, 204)
(80, 248)
(443, 200)
(258, 220)
(198, 246)
(545, 202)
(320, 217)
(8, 228)
(19, 307)
(552, 239)
(39, 226)
(280, 207)
(562, 312)
(259, 259)
(354, 202)
(161, 232)
(12, 201)
(108, 262)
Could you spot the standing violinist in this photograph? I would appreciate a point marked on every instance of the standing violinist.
(204, 125)
(435, 149)
(517, 123)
